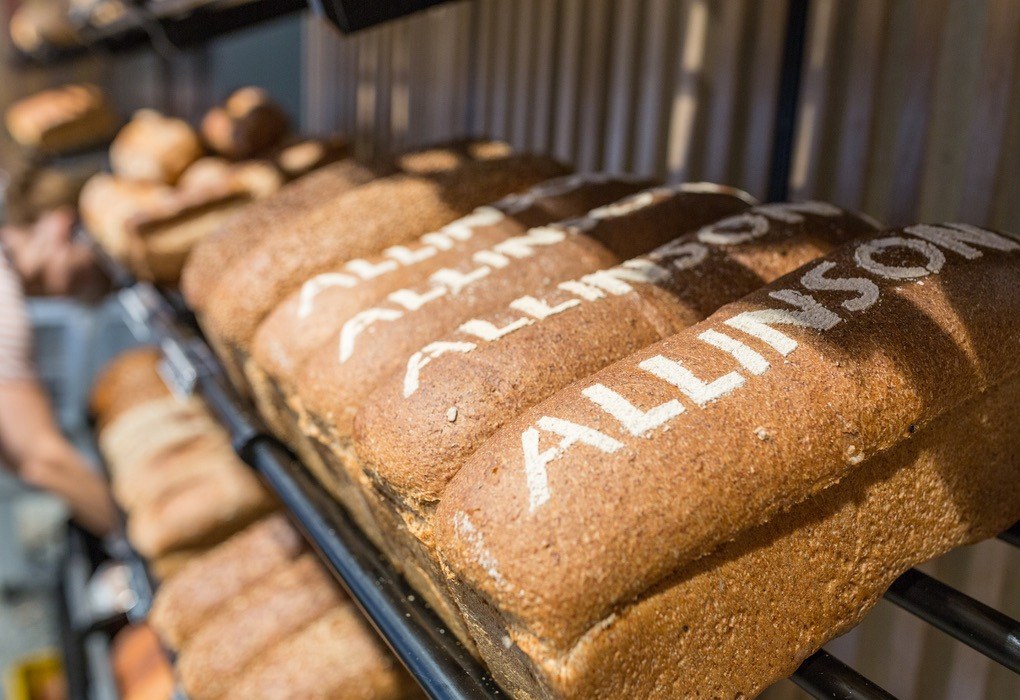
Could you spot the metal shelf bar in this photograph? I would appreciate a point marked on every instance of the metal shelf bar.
(827, 678)
(985, 629)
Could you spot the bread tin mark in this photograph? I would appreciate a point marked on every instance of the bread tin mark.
(926, 241)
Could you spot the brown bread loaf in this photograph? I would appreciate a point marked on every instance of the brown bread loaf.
(419, 426)
(378, 341)
(336, 656)
(185, 602)
(106, 203)
(154, 148)
(249, 121)
(161, 237)
(252, 623)
(866, 359)
(274, 215)
(126, 381)
(177, 463)
(388, 211)
(205, 509)
(318, 309)
(63, 119)
(140, 667)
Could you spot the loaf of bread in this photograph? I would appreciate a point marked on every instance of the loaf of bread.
(388, 211)
(168, 565)
(154, 148)
(418, 427)
(106, 203)
(140, 667)
(185, 602)
(247, 123)
(316, 311)
(375, 343)
(36, 26)
(63, 119)
(335, 656)
(275, 215)
(214, 503)
(249, 625)
(836, 427)
(161, 237)
(129, 380)
(180, 461)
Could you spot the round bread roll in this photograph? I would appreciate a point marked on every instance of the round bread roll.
(154, 148)
(248, 122)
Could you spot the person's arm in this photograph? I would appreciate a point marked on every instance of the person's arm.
(40, 454)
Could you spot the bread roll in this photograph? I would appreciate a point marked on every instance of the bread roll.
(336, 656)
(379, 341)
(161, 238)
(107, 203)
(252, 623)
(154, 148)
(421, 424)
(385, 212)
(209, 507)
(865, 362)
(63, 119)
(185, 602)
(317, 310)
(248, 122)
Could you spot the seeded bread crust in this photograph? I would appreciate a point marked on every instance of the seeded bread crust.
(318, 310)
(379, 214)
(187, 601)
(331, 392)
(696, 440)
(272, 216)
(745, 616)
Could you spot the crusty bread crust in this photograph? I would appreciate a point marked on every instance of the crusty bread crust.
(268, 613)
(317, 311)
(698, 439)
(188, 600)
(379, 214)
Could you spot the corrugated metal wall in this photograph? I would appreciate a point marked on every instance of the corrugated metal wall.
(910, 108)
(910, 111)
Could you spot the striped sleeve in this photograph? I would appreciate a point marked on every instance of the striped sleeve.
(15, 330)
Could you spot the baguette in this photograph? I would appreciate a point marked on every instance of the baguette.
(63, 119)
(776, 402)
(248, 122)
(378, 341)
(382, 213)
(316, 312)
(336, 656)
(154, 148)
(185, 602)
(252, 623)
(420, 425)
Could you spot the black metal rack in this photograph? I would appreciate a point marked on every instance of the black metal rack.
(166, 25)
(435, 658)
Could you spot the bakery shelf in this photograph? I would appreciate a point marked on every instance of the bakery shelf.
(166, 25)
(352, 15)
(992, 633)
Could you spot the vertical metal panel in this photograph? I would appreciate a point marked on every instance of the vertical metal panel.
(659, 43)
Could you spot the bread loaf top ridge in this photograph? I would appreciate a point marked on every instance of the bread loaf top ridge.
(186, 601)
(623, 477)
(377, 341)
(317, 311)
(420, 425)
(273, 216)
(385, 212)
